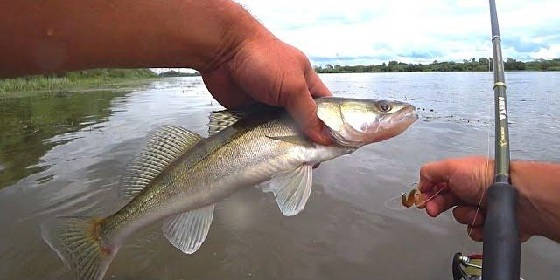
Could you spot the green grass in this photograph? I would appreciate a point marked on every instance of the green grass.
(75, 80)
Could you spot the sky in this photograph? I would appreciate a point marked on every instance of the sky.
(351, 32)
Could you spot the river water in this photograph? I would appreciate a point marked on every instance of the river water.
(63, 154)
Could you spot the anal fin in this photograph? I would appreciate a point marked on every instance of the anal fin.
(292, 189)
(187, 231)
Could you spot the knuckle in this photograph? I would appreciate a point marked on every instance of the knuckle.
(424, 172)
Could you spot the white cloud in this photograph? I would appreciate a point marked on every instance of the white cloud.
(353, 32)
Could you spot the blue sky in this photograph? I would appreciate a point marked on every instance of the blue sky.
(353, 32)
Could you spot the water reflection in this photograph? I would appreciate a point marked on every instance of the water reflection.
(28, 124)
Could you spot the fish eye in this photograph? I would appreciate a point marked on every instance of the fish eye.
(384, 107)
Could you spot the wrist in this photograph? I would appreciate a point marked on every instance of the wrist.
(537, 183)
(236, 29)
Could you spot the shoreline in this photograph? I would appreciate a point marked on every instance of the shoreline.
(52, 85)
(72, 81)
(521, 71)
(55, 88)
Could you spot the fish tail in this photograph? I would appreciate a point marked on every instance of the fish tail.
(79, 243)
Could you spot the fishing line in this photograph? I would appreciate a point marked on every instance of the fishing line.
(484, 189)
(470, 229)
(423, 203)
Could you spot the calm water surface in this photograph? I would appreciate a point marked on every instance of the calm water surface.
(63, 154)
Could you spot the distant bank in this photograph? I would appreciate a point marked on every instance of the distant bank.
(121, 77)
(84, 80)
(75, 80)
(472, 65)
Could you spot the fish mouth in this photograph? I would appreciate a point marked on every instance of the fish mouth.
(406, 114)
(388, 127)
(396, 124)
(409, 113)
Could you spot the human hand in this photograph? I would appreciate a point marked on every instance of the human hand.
(462, 183)
(266, 70)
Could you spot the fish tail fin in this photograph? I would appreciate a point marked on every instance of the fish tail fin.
(78, 242)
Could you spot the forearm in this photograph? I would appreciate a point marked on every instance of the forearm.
(62, 35)
(539, 184)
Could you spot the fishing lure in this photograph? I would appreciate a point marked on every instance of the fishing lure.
(414, 197)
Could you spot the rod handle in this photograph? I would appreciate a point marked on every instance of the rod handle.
(502, 246)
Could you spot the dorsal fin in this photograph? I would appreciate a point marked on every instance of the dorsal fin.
(220, 120)
(165, 146)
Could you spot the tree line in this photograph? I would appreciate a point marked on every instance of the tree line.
(472, 65)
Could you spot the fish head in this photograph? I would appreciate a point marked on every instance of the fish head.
(358, 122)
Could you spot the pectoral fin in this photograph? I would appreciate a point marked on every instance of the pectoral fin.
(292, 189)
(187, 231)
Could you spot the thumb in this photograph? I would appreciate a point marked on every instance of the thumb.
(432, 174)
(303, 109)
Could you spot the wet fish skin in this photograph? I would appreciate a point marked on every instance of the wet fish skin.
(242, 155)
(264, 143)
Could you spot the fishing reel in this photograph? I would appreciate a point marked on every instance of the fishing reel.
(466, 267)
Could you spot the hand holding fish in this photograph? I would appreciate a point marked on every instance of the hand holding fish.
(266, 70)
(462, 183)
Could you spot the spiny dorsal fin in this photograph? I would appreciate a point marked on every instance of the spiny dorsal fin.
(187, 231)
(292, 189)
(220, 120)
(164, 147)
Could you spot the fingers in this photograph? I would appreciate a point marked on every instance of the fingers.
(475, 222)
(433, 174)
(303, 109)
(476, 233)
(316, 86)
(440, 203)
(233, 101)
(469, 216)
(473, 219)
(224, 90)
(466, 177)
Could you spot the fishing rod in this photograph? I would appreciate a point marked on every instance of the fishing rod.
(502, 246)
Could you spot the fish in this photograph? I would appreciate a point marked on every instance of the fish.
(179, 176)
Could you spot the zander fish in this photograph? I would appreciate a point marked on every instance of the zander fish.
(179, 176)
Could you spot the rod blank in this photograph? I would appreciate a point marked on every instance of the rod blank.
(502, 247)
